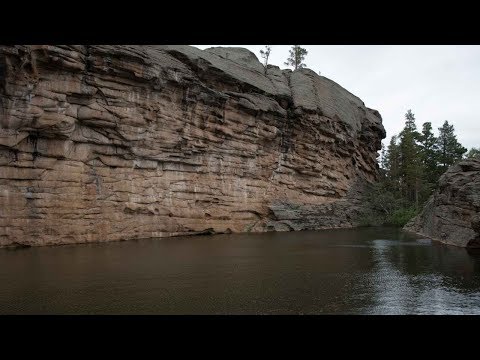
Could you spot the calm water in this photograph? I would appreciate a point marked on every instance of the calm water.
(359, 271)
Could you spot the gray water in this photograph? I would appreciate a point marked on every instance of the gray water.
(355, 271)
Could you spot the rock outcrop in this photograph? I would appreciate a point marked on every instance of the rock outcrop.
(452, 214)
(106, 143)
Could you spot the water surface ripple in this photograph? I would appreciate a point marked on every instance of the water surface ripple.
(354, 271)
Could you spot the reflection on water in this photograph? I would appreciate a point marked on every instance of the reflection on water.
(355, 271)
(441, 280)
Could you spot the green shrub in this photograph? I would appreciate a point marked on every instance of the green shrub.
(371, 219)
(402, 216)
(386, 206)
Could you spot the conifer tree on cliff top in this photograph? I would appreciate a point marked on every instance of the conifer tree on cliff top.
(297, 55)
(449, 149)
(473, 153)
(265, 54)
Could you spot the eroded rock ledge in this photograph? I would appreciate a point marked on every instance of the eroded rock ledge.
(105, 143)
(452, 214)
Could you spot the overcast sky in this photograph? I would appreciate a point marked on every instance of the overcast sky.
(437, 82)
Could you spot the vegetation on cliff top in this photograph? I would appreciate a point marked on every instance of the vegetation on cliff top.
(297, 56)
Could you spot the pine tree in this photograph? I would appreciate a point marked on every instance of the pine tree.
(265, 54)
(297, 55)
(449, 149)
(383, 157)
(392, 162)
(473, 153)
(429, 149)
(410, 160)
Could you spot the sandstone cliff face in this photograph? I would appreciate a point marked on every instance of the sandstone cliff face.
(105, 143)
(452, 214)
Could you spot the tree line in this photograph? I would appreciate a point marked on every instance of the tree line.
(410, 167)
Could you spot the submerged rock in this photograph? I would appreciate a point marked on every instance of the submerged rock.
(452, 214)
(104, 143)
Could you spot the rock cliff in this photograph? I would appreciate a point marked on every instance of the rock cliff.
(452, 214)
(105, 143)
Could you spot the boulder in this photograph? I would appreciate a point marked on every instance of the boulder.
(452, 214)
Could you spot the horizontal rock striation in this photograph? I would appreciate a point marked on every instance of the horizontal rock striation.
(106, 143)
(452, 214)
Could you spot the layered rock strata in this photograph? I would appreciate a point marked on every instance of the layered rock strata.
(106, 143)
(452, 214)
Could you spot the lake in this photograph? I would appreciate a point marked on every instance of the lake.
(352, 271)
